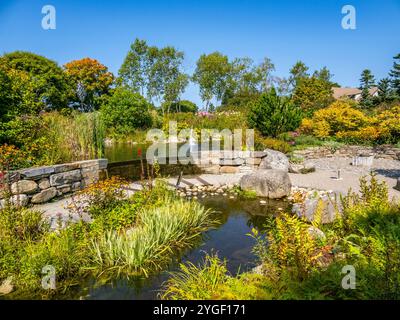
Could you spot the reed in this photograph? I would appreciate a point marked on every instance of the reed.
(161, 233)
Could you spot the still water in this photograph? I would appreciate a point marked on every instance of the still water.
(230, 241)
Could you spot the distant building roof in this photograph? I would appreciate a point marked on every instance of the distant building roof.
(352, 93)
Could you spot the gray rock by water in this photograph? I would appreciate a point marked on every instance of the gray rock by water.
(24, 186)
(310, 205)
(275, 160)
(273, 184)
(44, 196)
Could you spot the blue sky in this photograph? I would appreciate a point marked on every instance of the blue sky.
(285, 31)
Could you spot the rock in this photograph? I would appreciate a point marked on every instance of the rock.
(44, 184)
(229, 169)
(3, 204)
(316, 233)
(44, 196)
(308, 208)
(258, 270)
(275, 160)
(301, 168)
(231, 162)
(37, 173)
(66, 167)
(273, 184)
(64, 188)
(76, 186)
(253, 161)
(24, 186)
(20, 200)
(398, 184)
(6, 287)
(60, 179)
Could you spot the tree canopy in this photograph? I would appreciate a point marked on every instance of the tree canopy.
(38, 83)
(89, 80)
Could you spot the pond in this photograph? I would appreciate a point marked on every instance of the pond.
(230, 241)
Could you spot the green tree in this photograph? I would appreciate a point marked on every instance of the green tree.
(182, 106)
(273, 115)
(384, 91)
(37, 77)
(297, 73)
(5, 94)
(312, 94)
(134, 70)
(395, 75)
(212, 75)
(167, 81)
(366, 82)
(154, 72)
(126, 111)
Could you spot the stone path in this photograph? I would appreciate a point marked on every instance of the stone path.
(324, 178)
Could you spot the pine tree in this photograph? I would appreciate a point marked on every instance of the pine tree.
(384, 90)
(395, 75)
(366, 82)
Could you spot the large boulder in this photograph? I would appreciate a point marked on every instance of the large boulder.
(24, 186)
(274, 160)
(273, 184)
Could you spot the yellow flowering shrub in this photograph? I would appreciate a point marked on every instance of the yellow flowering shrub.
(344, 122)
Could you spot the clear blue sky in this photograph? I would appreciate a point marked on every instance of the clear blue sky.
(285, 31)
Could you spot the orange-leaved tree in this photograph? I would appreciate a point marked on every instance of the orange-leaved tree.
(90, 81)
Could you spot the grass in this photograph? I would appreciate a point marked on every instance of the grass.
(79, 136)
(211, 281)
(159, 234)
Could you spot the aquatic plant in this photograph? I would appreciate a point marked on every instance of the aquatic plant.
(159, 233)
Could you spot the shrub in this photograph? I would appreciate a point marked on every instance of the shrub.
(338, 117)
(312, 94)
(262, 143)
(126, 111)
(12, 158)
(181, 106)
(273, 115)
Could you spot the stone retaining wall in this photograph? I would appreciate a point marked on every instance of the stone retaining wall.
(42, 184)
(218, 162)
(379, 152)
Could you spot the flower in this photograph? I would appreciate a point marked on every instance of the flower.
(139, 152)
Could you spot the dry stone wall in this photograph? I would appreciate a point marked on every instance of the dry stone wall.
(42, 184)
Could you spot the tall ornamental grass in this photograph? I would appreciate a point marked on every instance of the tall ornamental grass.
(161, 232)
(73, 138)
